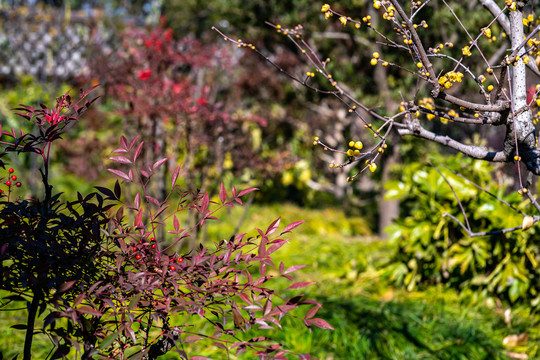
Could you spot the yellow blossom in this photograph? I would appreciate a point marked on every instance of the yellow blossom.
(325, 8)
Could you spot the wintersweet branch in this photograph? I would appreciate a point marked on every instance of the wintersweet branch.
(469, 150)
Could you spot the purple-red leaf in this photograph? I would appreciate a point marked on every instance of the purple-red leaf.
(192, 338)
(153, 200)
(300, 285)
(292, 225)
(120, 159)
(273, 226)
(119, 173)
(246, 191)
(66, 286)
(133, 142)
(175, 174)
(137, 201)
(222, 193)
(137, 150)
(123, 142)
(205, 202)
(294, 268)
(89, 310)
(176, 224)
(311, 312)
(320, 323)
(159, 163)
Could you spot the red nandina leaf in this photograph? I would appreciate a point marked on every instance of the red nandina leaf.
(282, 309)
(281, 267)
(220, 345)
(123, 142)
(311, 312)
(119, 173)
(138, 219)
(159, 163)
(292, 225)
(160, 211)
(153, 200)
(130, 333)
(294, 268)
(192, 338)
(119, 151)
(304, 357)
(79, 299)
(137, 151)
(273, 321)
(245, 297)
(320, 323)
(222, 193)
(239, 237)
(246, 191)
(175, 174)
(258, 339)
(89, 310)
(275, 247)
(273, 226)
(120, 159)
(133, 142)
(94, 286)
(137, 201)
(300, 285)
(295, 300)
(267, 306)
(131, 174)
(233, 191)
(205, 202)
(176, 224)
(66, 286)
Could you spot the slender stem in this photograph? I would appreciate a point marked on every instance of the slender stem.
(32, 312)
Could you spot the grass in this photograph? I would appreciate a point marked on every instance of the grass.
(372, 319)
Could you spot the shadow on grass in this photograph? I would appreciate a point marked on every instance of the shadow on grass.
(412, 329)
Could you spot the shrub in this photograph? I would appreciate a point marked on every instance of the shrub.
(432, 246)
(112, 284)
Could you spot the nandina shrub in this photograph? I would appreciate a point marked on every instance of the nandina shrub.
(154, 292)
(111, 286)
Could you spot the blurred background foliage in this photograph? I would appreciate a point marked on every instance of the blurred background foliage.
(427, 291)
